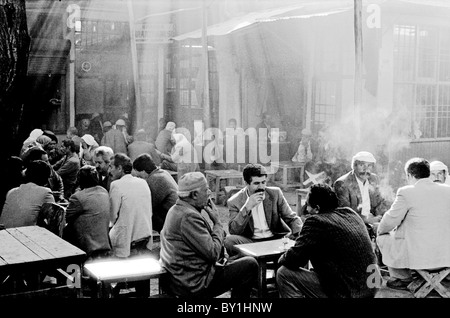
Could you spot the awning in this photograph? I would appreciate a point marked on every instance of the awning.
(304, 10)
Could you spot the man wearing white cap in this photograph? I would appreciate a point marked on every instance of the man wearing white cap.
(115, 139)
(192, 251)
(358, 189)
(439, 172)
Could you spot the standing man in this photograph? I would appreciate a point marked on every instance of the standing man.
(193, 253)
(258, 212)
(358, 190)
(115, 139)
(131, 210)
(413, 233)
(162, 187)
(102, 159)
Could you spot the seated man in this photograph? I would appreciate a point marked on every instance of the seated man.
(358, 190)
(162, 187)
(413, 233)
(23, 204)
(439, 172)
(192, 252)
(336, 242)
(258, 212)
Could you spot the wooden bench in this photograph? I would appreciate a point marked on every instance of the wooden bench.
(287, 166)
(109, 271)
(428, 281)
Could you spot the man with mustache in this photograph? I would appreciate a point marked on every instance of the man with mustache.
(439, 172)
(358, 190)
(258, 212)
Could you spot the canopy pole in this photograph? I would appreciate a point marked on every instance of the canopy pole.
(358, 89)
(206, 110)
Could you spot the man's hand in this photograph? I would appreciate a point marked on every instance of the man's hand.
(212, 211)
(372, 219)
(253, 200)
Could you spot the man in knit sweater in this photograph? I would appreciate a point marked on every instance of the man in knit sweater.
(336, 242)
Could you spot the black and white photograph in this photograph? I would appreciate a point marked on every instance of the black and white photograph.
(224, 156)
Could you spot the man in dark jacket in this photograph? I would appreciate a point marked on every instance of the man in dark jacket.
(162, 186)
(338, 246)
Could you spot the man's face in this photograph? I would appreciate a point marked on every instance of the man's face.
(115, 172)
(363, 169)
(257, 183)
(101, 165)
(438, 176)
(202, 197)
(85, 123)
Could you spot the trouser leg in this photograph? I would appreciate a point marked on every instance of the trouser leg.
(299, 283)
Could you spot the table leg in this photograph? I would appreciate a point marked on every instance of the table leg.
(262, 279)
(302, 175)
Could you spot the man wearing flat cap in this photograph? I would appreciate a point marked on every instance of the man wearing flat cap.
(439, 172)
(192, 251)
(358, 189)
(258, 212)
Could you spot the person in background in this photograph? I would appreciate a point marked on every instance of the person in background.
(164, 142)
(264, 132)
(336, 242)
(88, 146)
(84, 127)
(115, 139)
(87, 215)
(258, 212)
(439, 172)
(140, 146)
(96, 127)
(106, 127)
(23, 204)
(68, 167)
(413, 233)
(162, 187)
(102, 160)
(192, 251)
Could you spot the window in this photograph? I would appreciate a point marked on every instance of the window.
(422, 78)
(99, 33)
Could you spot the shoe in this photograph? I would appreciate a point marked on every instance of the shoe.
(396, 283)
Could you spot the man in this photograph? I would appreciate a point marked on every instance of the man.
(23, 204)
(192, 252)
(96, 127)
(263, 131)
(102, 159)
(413, 233)
(55, 182)
(115, 139)
(358, 190)
(439, 172)
(140, 146)
(336, 242)
(68, 167)
(131, 210)
(258, 212)
(87, 215)
(162, 187)
(163, 141)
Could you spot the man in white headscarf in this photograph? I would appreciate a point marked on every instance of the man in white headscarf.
(88, 146)
(358, 189)
(439, 172)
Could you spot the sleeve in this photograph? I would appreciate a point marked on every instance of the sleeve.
(239, 218)
(395, 215)
(299, 255)
(74, 209)
(67, 168)
(49, 198)
(196, 235)
(342, 193)
(116, 199)
(290, 217)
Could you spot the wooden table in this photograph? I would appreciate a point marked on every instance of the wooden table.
(264, 252)
(122, 270)
(285, 165)
(222, 175)
(33, 249)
